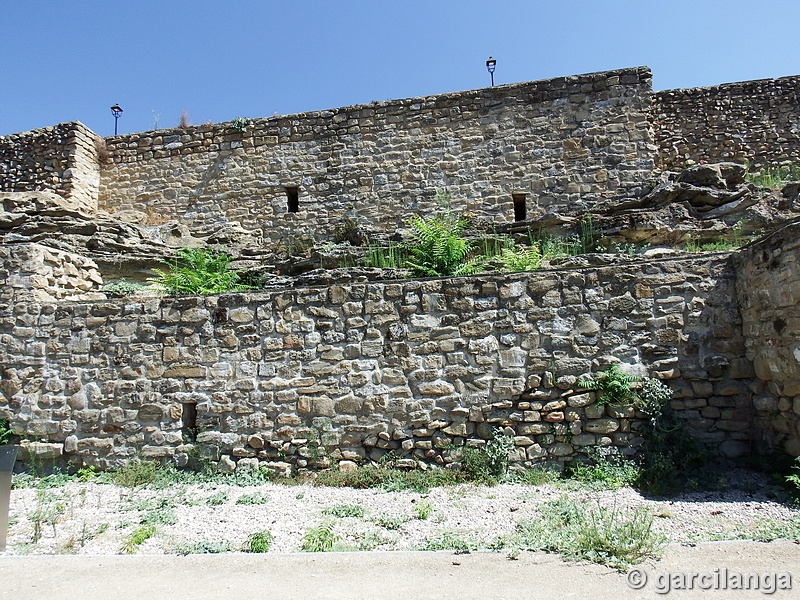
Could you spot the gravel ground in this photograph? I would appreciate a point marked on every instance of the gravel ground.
(98, 519)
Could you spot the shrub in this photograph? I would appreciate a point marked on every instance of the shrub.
(669, 455)
(488, 463)
(423, 510)
(451, 540)
(136, 473)
(605, 466)
(259, 542)
(200, 271)
(774, 178)
(137, 537)
(203, 547)
(253, 499)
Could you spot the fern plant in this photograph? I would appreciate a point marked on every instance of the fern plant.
(521, 259)
(200, 271)
(438, 248)
(614, 386)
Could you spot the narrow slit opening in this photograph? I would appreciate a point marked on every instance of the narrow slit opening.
(519, 206)
(293, 199)
(189, 421)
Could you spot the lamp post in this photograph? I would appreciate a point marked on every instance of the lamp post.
(490, 65)
(116, 111)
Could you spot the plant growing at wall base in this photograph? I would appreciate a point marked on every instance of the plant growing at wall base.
(489, 462)
(670, 458)
(200, 271)
(5, 432)
(793, 480)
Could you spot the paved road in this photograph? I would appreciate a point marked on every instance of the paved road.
(382, 575)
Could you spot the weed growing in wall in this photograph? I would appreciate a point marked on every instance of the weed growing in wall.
(614, 386)
(200, 271)
(119, 288)
(521, 259)
(241, 124)
(774, 178)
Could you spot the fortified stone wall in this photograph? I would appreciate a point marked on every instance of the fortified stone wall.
(349, 372)
(62, 159)
(769, 293)
(755, 121)
(559, 145)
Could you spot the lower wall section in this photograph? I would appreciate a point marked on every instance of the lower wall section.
(309, 377)
(769, 293)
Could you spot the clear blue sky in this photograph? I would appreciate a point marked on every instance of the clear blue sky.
(71, 60)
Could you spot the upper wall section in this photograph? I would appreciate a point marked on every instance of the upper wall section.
(61, 159)
(757, 121)
(557, 145)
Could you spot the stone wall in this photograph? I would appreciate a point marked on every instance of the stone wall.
(37, 273)
(559, 145)
(307, 377)
(754, 121)
(62, 159)
(769, 293)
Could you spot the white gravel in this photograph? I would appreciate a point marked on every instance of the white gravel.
(95, 519)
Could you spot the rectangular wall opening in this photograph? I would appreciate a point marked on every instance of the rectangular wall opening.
(189, 421)
(519, 206)
(292, 198)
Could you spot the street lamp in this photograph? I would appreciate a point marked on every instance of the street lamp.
(116, 111)
(490, 65)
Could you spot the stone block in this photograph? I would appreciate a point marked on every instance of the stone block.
(601, 426)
